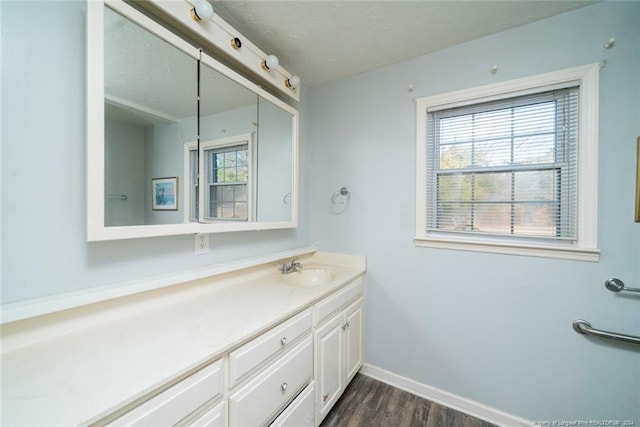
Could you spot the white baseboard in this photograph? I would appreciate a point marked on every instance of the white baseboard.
(445, 398)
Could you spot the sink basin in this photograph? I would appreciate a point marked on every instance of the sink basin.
(309, 276)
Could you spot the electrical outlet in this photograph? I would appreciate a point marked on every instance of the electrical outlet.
(202, 243)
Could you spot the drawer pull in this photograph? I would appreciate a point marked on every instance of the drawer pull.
(283, 341)
(284, 386)
(325, 397)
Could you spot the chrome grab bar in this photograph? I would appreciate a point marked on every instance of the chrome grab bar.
(617, 285)
(584, 327)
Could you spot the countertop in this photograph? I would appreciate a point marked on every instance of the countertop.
(84, 365)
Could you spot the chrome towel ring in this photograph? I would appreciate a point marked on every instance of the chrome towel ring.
(341, 196)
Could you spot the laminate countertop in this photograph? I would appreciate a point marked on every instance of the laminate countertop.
(78, 366)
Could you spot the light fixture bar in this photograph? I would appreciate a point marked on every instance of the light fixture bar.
(226, 40)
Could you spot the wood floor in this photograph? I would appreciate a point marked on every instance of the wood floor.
(368, 402)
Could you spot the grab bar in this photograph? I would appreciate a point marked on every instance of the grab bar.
(584, 327)
(617, 285)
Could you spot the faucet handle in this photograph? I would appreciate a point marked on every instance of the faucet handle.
(294, 265)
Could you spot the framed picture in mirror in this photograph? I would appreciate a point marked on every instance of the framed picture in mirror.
(164, 194)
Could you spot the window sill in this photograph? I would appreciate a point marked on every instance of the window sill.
(509, 248)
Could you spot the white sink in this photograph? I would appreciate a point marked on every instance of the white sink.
(309, 276)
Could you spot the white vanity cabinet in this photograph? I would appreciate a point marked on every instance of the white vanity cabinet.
(273, 389)
(338, 345)
(267, 373)
(301, 412)
(290, 375)
(180, 401)
(236, 349)
(214, 417)
(270, 344)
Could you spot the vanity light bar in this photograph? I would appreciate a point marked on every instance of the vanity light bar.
(223, 38)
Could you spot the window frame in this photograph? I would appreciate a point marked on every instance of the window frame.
(227, 145)
(585, 247)
(202, 186)
(189, 202)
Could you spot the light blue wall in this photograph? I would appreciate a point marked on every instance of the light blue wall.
(164, 157)
(274, 168)
(495, 329)
(44, 248)
(492, 328)
(124, 156)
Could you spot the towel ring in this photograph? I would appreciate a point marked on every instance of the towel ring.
(342, 192)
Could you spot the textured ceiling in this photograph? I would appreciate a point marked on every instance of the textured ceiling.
(140, 83)
(327, 40)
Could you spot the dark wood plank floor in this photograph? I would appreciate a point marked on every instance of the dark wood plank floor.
(368, 402)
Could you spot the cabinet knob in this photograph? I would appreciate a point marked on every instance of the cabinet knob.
(348, 324)
(344, 326)
(283, 340)
(284, 386)
(325, 397)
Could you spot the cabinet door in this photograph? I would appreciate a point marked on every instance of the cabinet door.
(353, 340)
(329, 364)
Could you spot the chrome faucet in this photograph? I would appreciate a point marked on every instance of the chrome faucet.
(295, 265)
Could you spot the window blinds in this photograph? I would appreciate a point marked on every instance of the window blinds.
(227, 175)
(505, 167)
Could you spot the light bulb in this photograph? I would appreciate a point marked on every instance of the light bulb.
(271, 62)
(203, 10)
(292, 82)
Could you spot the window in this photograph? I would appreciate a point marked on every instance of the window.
(227, 182)
(227, 179)
(511, 167)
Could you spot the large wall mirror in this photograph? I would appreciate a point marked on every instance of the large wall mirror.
(177, 142)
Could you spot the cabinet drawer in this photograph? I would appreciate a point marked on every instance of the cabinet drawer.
(252, 354)
(301, 412)
(256, 402)
(341, 298)
(214, 417)
(178, 401)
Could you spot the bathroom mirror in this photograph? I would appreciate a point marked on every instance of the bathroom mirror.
(148, 115)
(177, 142)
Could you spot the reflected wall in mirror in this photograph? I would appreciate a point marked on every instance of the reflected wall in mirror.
(246, 153)
(228, 125)
(149, 115)
(274, 168)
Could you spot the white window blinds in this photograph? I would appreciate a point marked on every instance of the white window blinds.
(506, 168)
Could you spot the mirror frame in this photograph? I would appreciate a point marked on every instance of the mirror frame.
(96, 229)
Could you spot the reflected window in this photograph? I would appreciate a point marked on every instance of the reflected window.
(227, 179)
(227, 182)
